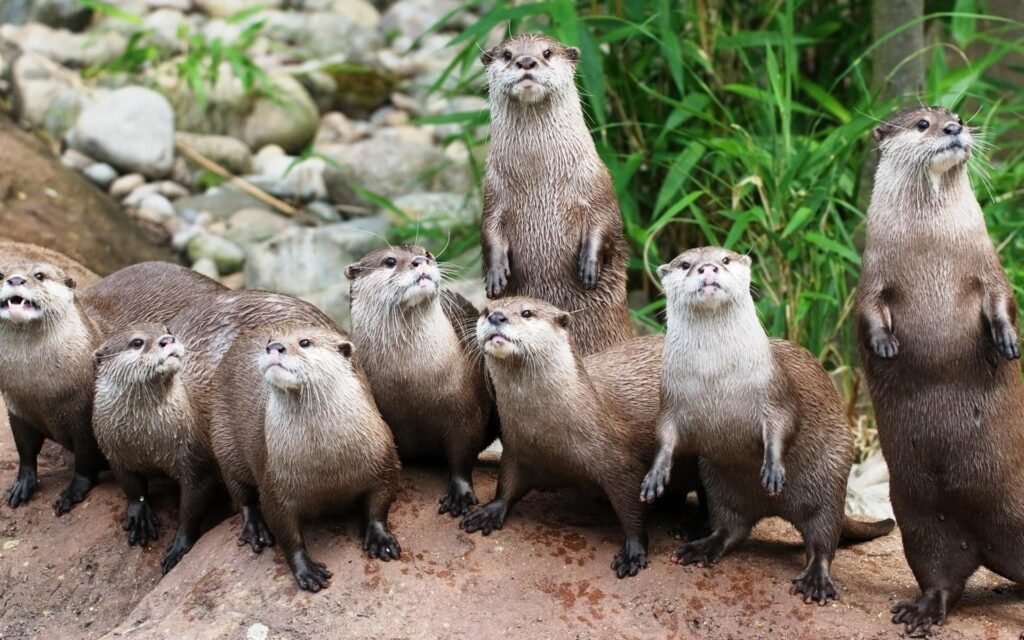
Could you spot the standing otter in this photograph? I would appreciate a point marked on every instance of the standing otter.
(937, 322)
(568, 420)
(762, 415)
(300, 430)
(551, 225)
(152, 419)
(417, 346)
(47, 337)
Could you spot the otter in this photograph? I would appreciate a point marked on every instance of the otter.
(761, 414)
(551, 226)
(937, 325)
(11, 251)
(569, 420)
(48, 333)
(416, 343)
(154, 389)
(300, 430)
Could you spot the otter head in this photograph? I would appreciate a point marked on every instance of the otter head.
(406, 276)
(931, 138)
(293, 357)
(141, 354)
(706, 278)
(33, 291)
(530, 67)
(515, 328)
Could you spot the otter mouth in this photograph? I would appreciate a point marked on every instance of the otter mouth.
(497, 340)
(18, 303)
(19, 309)
(424, 280)
(709, 288)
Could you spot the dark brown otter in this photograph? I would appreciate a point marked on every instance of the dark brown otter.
(568, 420)
(763, 416)
(937, 320)
(551, 226)
(154, 390)
(299, 434)
(417, 344)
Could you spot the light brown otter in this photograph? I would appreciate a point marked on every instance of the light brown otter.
(154, 390)
(48, 333)
(11, 251)
(300, 430)
(569, 420)
(551, 226)
(762, 415)
(417, 344)
(937, 321)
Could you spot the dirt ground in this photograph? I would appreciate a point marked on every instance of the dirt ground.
(546, 575)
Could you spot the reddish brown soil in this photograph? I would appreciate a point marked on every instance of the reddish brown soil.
(546, 575)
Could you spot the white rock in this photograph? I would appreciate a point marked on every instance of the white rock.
(76, 50)
(156, 208)
(207, 267)
(37, 83)
(124, 185)
(412, 18)
(131, 128)
(76, 160)
(101, 174)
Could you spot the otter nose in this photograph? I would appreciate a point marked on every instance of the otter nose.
(497, 318)
(420, 261)
(526, 63)
(712, 268)
(952, 128)
(166, 341)
(276, 347)
(15, 281)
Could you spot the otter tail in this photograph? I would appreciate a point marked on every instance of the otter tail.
(860, 531)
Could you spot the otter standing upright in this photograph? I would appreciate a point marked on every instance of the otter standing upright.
(937, 325)
(551, 226)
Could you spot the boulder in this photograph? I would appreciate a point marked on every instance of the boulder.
(227, 255)
(231, 153)
(101, 174)
(77, 50)
(253, 226)
(390, 163)
(37, 83)
(288, 119)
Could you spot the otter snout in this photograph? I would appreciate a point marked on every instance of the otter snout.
(16, 281)
(953, 129)
(526, 63)
(275, 350)
(497, 318)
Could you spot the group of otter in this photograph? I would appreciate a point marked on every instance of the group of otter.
(157, 370)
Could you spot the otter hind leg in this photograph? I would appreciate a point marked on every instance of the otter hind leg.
(197, 493)
(632, 557)
(821, 537)
(461, 449)
(378, 541)
(89, 461)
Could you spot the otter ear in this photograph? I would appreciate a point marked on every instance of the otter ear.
(747, 260)
(345, 349)
(882, 131)
(353, 271)
(97, 356)
(573, 54)
(70, 283)
(562, 320)
(489, 56)
(663, 270)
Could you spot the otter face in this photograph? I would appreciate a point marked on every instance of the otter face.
(291, 357)
(31, 291)
(706, 278)
(517, 327)
(530, 67)
(141, 354)
(932, 137)
(406, 275)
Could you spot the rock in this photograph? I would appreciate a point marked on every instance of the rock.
(231, 153)
(180, 5)
(359, 11)
(124, 185)
(156, 208)
(290, 120)
(57, 208)
(435, 209)
(221, 8)
(412, 18)
(471, 289)
(362, 88)
(165, 188)
(322, 211)
(320, 87)
(253, 226)
(335, 301)
(218, 202)
(62, 113)
(304, 260)
(101, 173)
(60, 14)
(867, 491)
(163, 26)
(292, 179)
(207, 267)
(227, 255)
(131, 128)
(233, 281)
(336, 128)
(37, 83)
(75, 160)
(76, 50)
(387, 164)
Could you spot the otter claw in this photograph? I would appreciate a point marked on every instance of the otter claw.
(310, 574)
(886, 346)
(23, 487)
(141, 524)
(381, 543)
(654, 484)
(630, 559)
(773, 478)
(1006, 342)
(486, 519)
(497, 280)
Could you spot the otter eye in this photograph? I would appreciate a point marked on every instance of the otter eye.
(390, 262)
(507, 55)
(304, 343)
(726, 260)
(40, 276)
(547, 54)
(137, 343)
(922, 125)
(527, 314)
(685, 265)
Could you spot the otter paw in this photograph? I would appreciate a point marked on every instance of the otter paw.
(175, 552)
(310, 574)
(458, 500)
(921, 614)
(255, 531)
(72, 495)
(885, 345)
(815, 585)
(23, 487)
(381, 543)
(703, 553)
(140, 523)
(590, 271)
(773, 477)
(630, 559)
(486, 519)
(1006, 341)
(654, 483)
(691, 529)
(497, 280)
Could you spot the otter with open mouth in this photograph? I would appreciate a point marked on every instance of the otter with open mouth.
(568, 420)
(416, 343)
(761, 414)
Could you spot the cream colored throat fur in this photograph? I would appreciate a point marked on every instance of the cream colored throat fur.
(420, 334)
(63, 341)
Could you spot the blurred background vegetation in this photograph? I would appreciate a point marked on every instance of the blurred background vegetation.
(747, 124)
